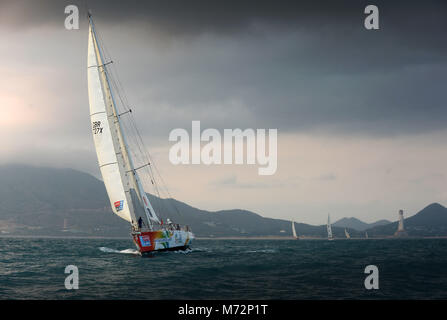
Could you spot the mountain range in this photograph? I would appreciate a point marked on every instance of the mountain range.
(356, 224)
(64, 202)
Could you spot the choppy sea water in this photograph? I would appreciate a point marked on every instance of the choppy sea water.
(224, 269)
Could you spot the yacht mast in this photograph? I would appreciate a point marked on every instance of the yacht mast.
(134, 189)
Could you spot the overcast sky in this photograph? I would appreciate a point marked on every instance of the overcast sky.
(360, 113)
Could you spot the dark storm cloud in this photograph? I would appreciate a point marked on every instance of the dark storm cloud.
(292, 65)
(180, 16)
(418, 20)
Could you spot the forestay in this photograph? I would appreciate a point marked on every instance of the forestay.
(126, 194)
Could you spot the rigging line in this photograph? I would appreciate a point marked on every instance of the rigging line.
(102, 65)
(153, 182)
(158, 172)
(113, 71)
(141, 150)
(167, 191)
(137, 146)
(153, 178)
(123, 98)
(120, 87)
(147, 164)
(140, 147)
(158, 200)
(163, 182)
(130, 110)
(112, 77)
(107, 74)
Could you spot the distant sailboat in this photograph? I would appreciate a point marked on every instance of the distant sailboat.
(347, 234)
(329, 228)
(366, 234)
(117, 161)
(65, 225)
(293, 230)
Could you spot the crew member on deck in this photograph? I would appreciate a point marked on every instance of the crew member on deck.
(140, 223)
(169, 223)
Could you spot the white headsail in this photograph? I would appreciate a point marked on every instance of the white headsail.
(347, 234)
(127, 196)
(293, 230)
(329, 228)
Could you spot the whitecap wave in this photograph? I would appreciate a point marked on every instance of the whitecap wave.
(262, 251)
(125, 251)
(190, 250)
(200, 249)
(183, 251)
(133, 251)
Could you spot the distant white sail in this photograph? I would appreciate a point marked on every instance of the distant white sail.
(366, 235)
(347, 234)
(329, 228)
(293, 230)
(127, 197)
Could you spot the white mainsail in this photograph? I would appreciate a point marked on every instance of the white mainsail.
(329, 228)
(293, 230)
(366, 235)
(127, 196)
(347, 234)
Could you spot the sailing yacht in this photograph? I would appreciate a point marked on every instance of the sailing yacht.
(347, 234)
(329, 228)
(294, 231)
(366, 234)
(117, 160)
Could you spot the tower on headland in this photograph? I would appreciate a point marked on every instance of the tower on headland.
(400, 229)
(65, 225)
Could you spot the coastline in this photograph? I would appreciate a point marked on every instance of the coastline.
(3, 236)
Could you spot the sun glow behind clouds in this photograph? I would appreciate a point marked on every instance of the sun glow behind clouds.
(16, 112)
(20, 96)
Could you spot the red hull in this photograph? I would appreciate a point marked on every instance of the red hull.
(162, 240)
